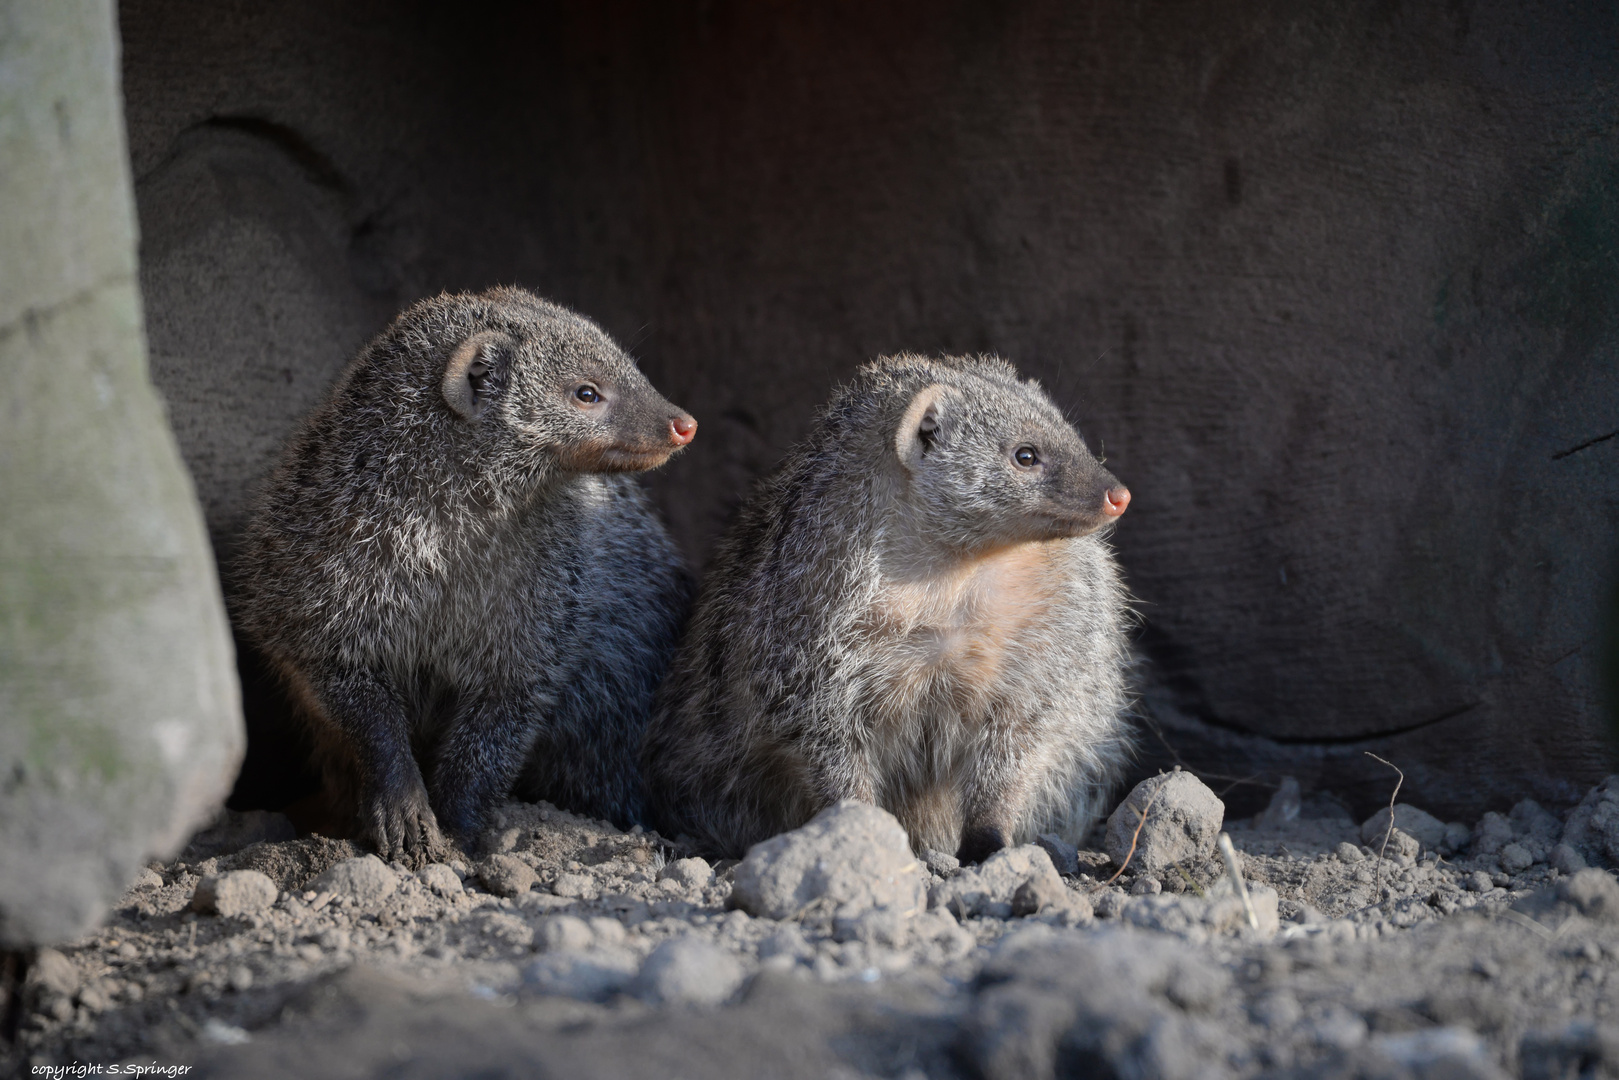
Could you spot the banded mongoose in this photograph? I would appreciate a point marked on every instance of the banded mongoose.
(454, 576)
(917, 610)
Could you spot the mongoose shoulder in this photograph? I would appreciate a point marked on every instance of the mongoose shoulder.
(455, 577)
(918, 609)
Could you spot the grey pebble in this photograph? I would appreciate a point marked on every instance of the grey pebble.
(689, 970)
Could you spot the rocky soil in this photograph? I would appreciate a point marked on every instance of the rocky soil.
(570, 948)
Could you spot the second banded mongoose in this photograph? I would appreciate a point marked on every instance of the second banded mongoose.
(455, 577)
(917, 610)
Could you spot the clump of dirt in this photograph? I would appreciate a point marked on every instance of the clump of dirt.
(571, 947)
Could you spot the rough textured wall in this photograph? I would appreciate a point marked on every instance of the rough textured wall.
(120, 718)
(1333, 285)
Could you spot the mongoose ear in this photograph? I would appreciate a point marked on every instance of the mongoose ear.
(471, 376)
(919, 428)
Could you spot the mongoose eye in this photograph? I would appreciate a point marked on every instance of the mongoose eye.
(1026, 457)
(588, 394)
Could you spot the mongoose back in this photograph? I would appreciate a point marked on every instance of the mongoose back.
(916, 610)
(454, 576)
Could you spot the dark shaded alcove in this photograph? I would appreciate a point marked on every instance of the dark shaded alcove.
(1333, 286)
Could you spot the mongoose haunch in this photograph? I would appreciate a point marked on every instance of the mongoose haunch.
(916, 610)
(454, 577)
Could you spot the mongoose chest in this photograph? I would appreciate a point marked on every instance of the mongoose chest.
(954, 636)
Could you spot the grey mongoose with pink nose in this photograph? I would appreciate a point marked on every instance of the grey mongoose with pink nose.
(459, 584)
(919, 610)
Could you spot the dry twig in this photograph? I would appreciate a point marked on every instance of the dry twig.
(1382, 852)
(1145, 810)
(1234, 871)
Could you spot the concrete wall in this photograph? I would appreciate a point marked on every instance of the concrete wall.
(1332, 284)
(120, 719)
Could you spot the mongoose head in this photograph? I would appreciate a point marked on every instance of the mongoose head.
(539, 387)
(990, 460)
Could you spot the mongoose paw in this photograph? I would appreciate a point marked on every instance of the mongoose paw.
(979, 842)
(402, 826)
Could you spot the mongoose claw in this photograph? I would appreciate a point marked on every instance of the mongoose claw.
(404, 827)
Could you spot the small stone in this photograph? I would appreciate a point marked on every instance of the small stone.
(1109, 903)
(234, 893)
(218, 1031)
(51, 973)
(1515, 858)
(1428, 830)
(508, 930)
(1494, 832)
(561, 933)
(880, 926)
(940, 864)
(573, 886)
(990, 888)
(1278, 1010)
(506, 875)
(854, 856)
(1567, 859)
(588, 976)
(1457, 836)
(1146, 886)
(692, 873)
(1594, 892)
(241, 978)
(1036, 895)
(1348, 852)
(1180, 826)
(147, 878)
(1070, 909)
(1533, 822)
(1440, 1051)
(1593, 825)
(1307, 915)
(365, 881)
(1064, 856)
(689, 970)
(1581, 1048)
(788, 940)
(608, 931)
(441, 880)
(1401, 845)
(94, 998)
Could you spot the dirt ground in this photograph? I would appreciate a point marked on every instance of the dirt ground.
(610, 954)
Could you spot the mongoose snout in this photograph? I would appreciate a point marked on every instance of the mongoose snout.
(631, 427)
(918, 609)
(460, 593)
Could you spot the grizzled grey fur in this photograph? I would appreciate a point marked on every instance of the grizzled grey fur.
(455, 578)
(917, 610)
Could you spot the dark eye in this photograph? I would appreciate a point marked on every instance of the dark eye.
(588, 394)
(1026, 457)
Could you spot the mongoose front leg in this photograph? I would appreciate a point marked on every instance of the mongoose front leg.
(841, 769)
(395, 814)
(993, 799)
(479, 759)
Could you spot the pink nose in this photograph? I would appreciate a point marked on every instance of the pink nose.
(1115, 501)
(683, 428)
